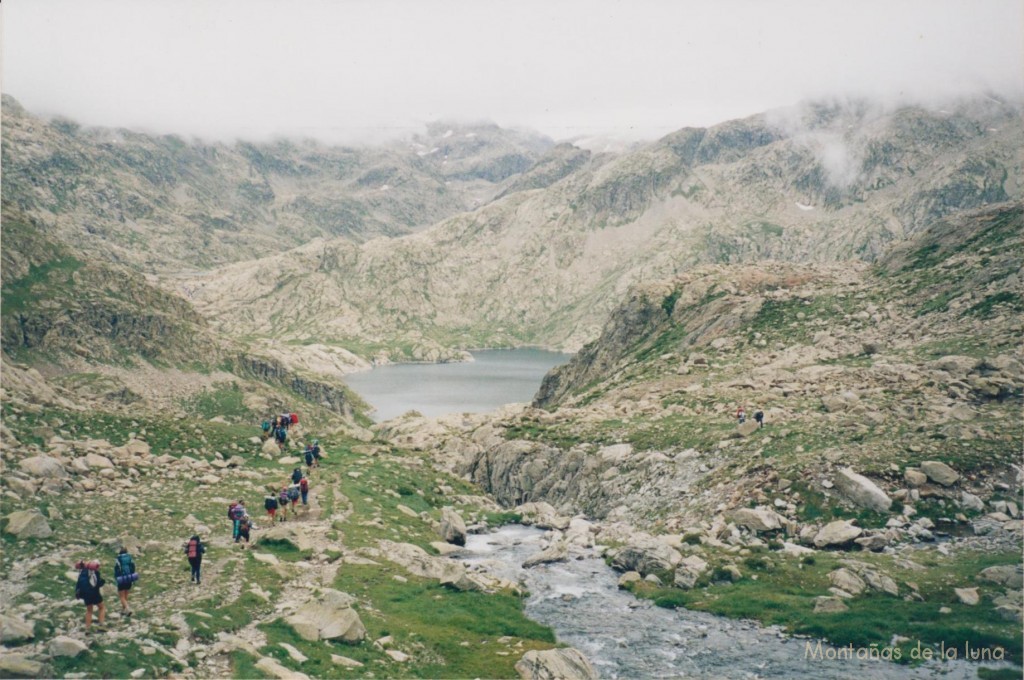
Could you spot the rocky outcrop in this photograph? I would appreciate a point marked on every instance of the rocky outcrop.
(555, 664)
(329, 395)
(452, 528)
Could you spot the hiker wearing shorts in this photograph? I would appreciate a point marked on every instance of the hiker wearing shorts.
(124, 577)
(282, 502)
(88, 590)
(270, 505)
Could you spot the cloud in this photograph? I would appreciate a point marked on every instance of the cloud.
(355, 69)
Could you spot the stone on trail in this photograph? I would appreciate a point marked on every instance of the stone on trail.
(453, 528)
(555, 664)
(19, 666)
(748, 428)
(837, 533)
(629, 577)
(273, 668)
(289, 460)
(63, 645)
(27, 524)
(861, 491)
(940, 473)
(13, 629)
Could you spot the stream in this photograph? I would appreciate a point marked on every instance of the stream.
(629, 638)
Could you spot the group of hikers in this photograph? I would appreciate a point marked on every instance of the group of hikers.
(741, 416)
(277, 427)
(89, 585)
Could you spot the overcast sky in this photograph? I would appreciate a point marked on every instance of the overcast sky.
(343, 70)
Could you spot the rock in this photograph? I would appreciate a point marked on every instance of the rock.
(329, 617)
(861, 491)
(555, 664)
(63, 645)
(847, 581)
(273, 668)
(969, 501)
(294, 654)
(453, 528)
(556, 552)
(836, 533)
(417, 562)
(1008, 575)
(877, 580)
(757, 519)
(19, 666)
(396, 655)
(874, 542)
(13, 629)
(97, 462)
(940, 473)
(270, 448)
(27, 524)
(407, 511)
(914, 477)
(444, 548)
(688, 571)
(629, 577)
(968, 596)
(829, 605)
(44, 467)
(747, 428)
(345, 662)
(645, 558)
(266, 558)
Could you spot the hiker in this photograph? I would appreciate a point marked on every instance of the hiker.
(316, 453)
(293, 496)
(304, 490)
(759, 417)
(87, 589)
(282, 437)
(236, 512)
(282, 502)
(125, 577)
(265, 426)
(741, 415)
(270, 505)
(244, 525)
(308, 453)
(296, 475)
(194, 550)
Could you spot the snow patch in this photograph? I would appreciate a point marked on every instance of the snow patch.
(448, 134)
(804, 207)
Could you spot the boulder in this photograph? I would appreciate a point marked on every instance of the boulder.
(847, 581)
(968, 501)
(914, 477)
(874, 542)
(44, 467)
(417, 562)
(345, 662)
(688, 571)
(329, 617)
(27, 524)
(968, 596)
(628, 578)
(556, 552)
(13, 629)
(747, 428)
(829, 605)
(555, 664)
(20, 666)
(97, 462)
(757, 519)
(646, 558)
(63, 645)
(940, 473)
(861, 491)
(1007, 575)
(453, 529)
(836, 533)
(270, 448)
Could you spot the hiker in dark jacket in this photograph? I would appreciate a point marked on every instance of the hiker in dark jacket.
(296, 475)
(124, 577)
(88, 591)
(194, 550)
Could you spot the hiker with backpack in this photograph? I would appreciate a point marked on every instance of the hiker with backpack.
(194, 550)
(316, 453)
(759, 417)
(88, 590)
(304, 490)
(265, 426)
(308, 454)
(244, 525)
(293, 497)
(270, 505)
(282, 502)
(741, 415)
(125, 577)
(296, 475)
(282, 437)
(236, 512)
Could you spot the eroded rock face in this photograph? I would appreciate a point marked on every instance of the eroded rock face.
(861, 491)
(14, 629)
(555, 664)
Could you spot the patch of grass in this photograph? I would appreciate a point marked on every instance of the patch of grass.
(990, 306)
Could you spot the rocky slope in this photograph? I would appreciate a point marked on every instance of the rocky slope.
(547, 263)
(163, 202)
(885, 466)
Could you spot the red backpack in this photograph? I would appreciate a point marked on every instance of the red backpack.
(193, 548)
(304, 484)
(294, 417)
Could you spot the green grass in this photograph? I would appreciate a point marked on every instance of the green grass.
(226, 400)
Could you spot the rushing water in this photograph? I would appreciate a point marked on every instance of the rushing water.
(628, 638)
(493, 379)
